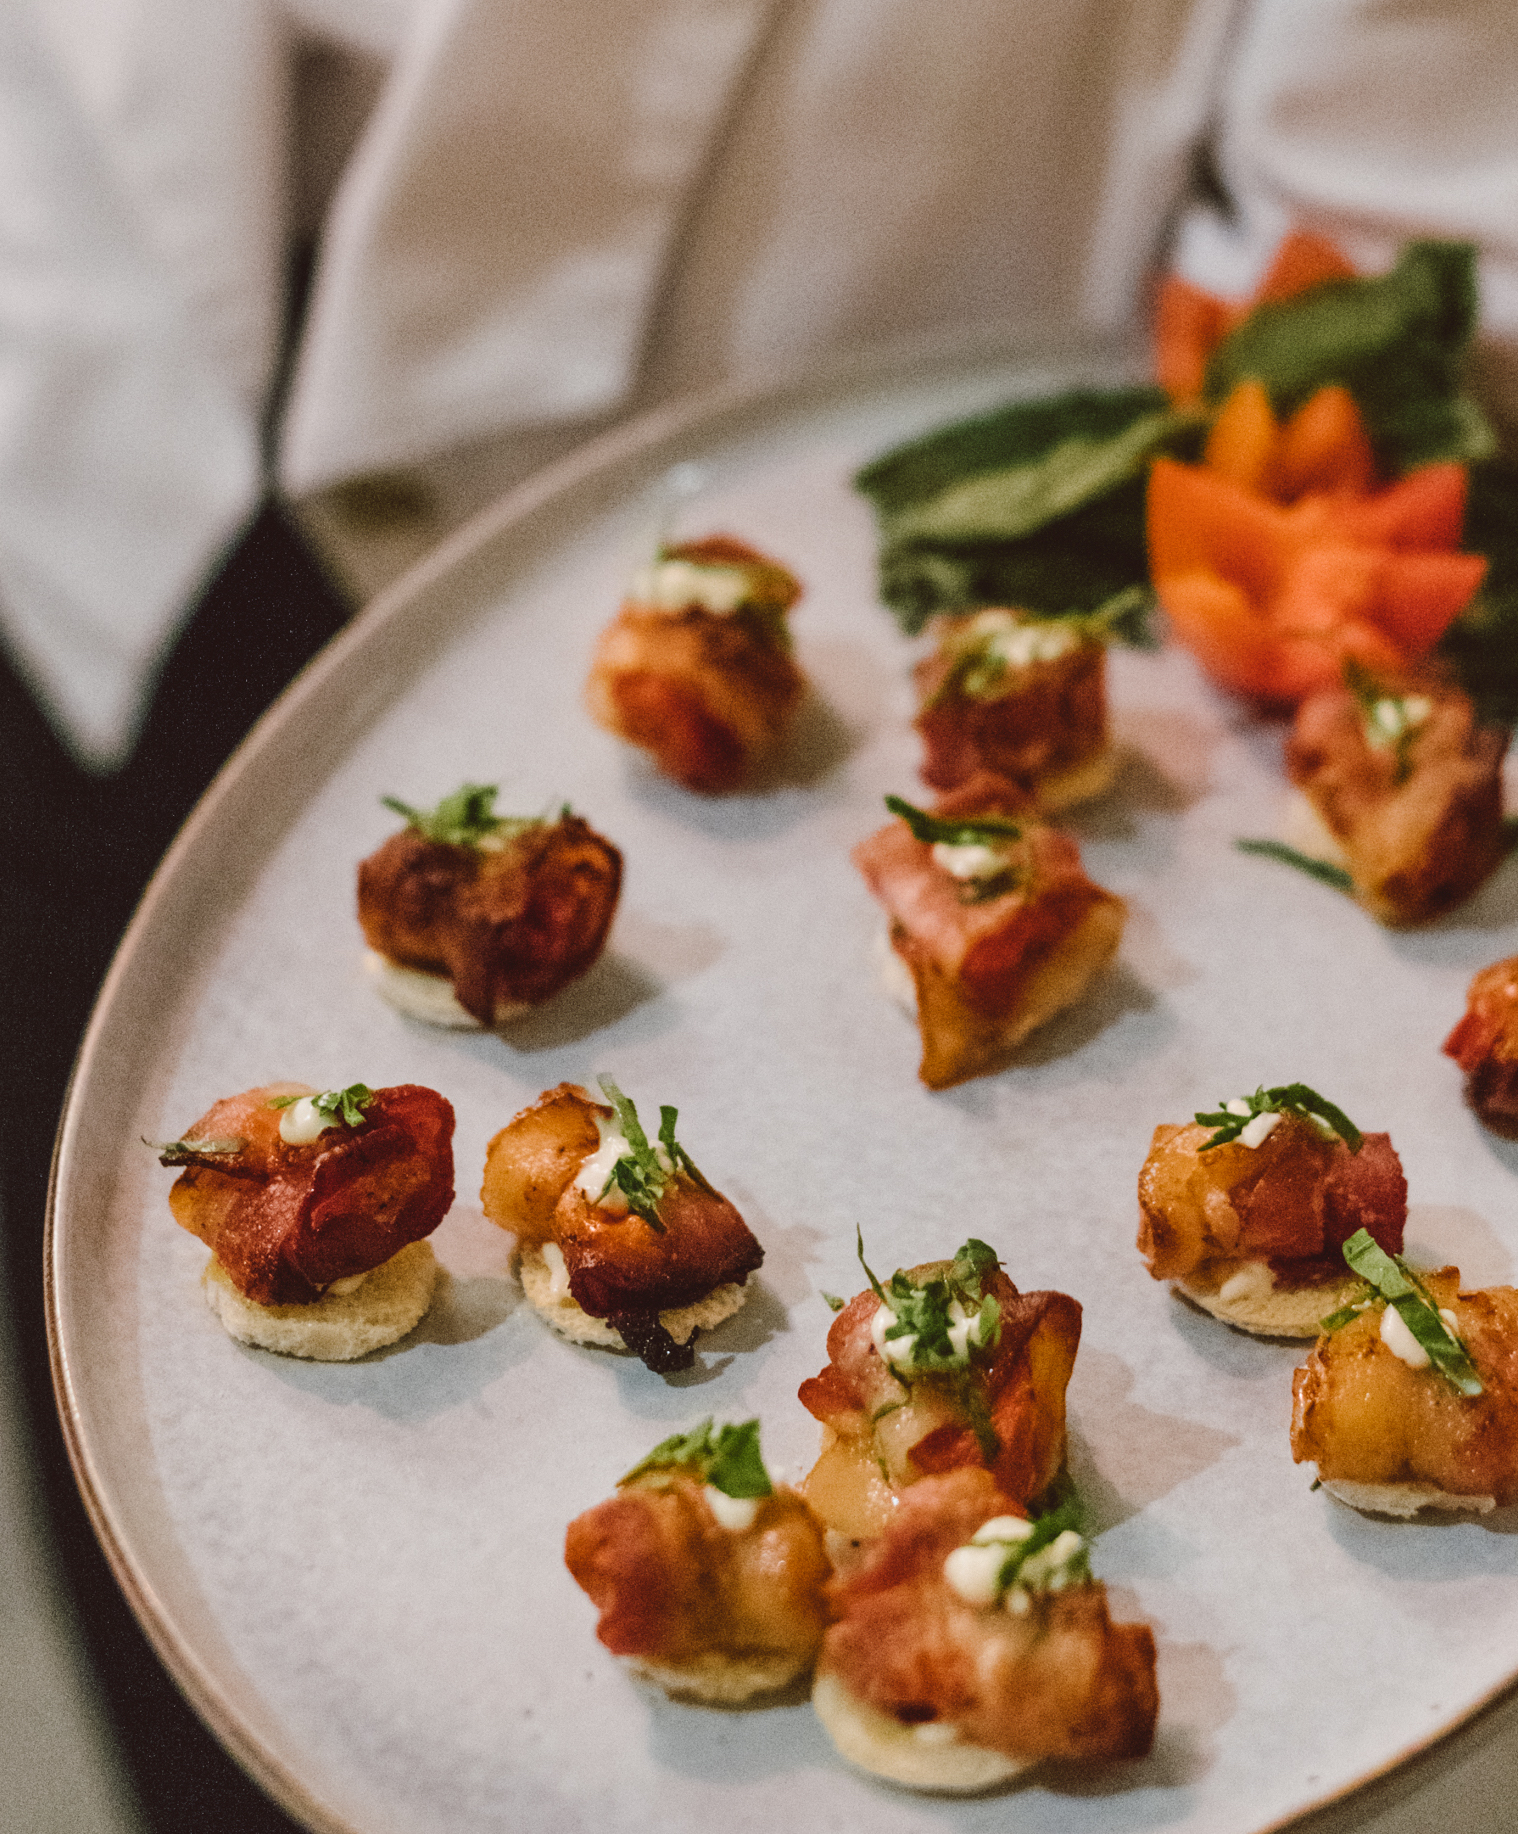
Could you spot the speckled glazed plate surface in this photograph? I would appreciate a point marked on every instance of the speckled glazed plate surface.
(356, 1571)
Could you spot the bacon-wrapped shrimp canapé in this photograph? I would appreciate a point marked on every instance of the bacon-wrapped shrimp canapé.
(994, 927)
(945, 1365)
(1485, 1045)
(1022, 696)
(696, 668)
(622, 1242)
(709, 1579)
(1409, 1399)
(974, 1643)
(314, 1206)
(1402, 790)
(473, 919)
(1246, 1209)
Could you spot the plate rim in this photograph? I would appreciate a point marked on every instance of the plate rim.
(701, 414)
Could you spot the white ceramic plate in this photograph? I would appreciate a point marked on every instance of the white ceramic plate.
(356, 1571)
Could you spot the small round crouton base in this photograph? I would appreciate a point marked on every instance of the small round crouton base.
(903, 1754)
(430, 998)
(1405, 1500)
(722, 1680)
(1284, 1312)
(1081, 782)
(339, 1326)
(563, 1313)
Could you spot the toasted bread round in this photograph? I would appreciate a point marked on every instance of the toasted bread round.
(723, 1680)
(1404, 1500)
(430, 997)
(564, 1314)
(930, 1756)
(338, 1327)
(1265, 1310)
(1078, 782)
(1303, 828)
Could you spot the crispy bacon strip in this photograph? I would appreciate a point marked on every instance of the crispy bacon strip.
(988, 973)
(888, 1434)
(1416, 844)
(508, 927)
(671, 1584)
(1363, 1416)
(1045, 717)
(620, 1267)
(1485, 1045)
(286, 1221)
(706, 693)
(1294, 1201)
(1063, 1681)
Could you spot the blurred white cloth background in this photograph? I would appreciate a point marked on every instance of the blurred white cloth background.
(559, 210)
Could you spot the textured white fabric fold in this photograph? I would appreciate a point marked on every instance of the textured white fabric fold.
(128, 454)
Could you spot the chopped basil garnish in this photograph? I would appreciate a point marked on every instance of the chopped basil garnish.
(643, 1172)
(1388, 720)
(981, 657)
(345, 1105)
(1396, 1283)
(1233, 1117)
(833, 1302)
(726, 1457)
(465, 818)
(177, 1152)
(966, 831)
(1074, 1568)
(1324, 871)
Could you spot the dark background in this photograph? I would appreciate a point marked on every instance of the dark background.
(78, 851)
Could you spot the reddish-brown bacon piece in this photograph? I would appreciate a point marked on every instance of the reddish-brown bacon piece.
(989, 969)
(1485, 1045)
(285, 1221)
(509, 925)
(886, 1432)
(1042, 723)
(675, 1589)
(706, 693)
(1060, 1681)
(1419, 822)
(1364, 1417)
(1293, 1201)
(621, 1268)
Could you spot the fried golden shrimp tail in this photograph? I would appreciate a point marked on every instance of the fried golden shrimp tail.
(474, 919)
(993, 923)
(970, 1646)
(894, 1413)
(1252, 1228)
(314, 1206)
(712, 1595)
(1485, 1045)
(642, 1271)
(1023, 697)
(1390, 1429)
(1406, 782)
(696, 668)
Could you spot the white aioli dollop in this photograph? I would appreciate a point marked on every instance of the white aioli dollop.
(1253, 1281)
(676, 585)
(1018, 642)
(1259, 1130)
(558, 1273)
(735, 1513)
(302, 1122)
(969, 860)
(1400, 1340)
(895, 1350)
(591, 1178)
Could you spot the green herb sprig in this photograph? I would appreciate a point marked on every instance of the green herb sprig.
(1067, 1517)
(1324, 871)
(1285, 1098)
(1390, 1278)
(959, 831)
(181, 1152)
(344, 1105)
(466, 818)
(726, 1457)
(922, 1312)
(642, 1175)
(1390, 721)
